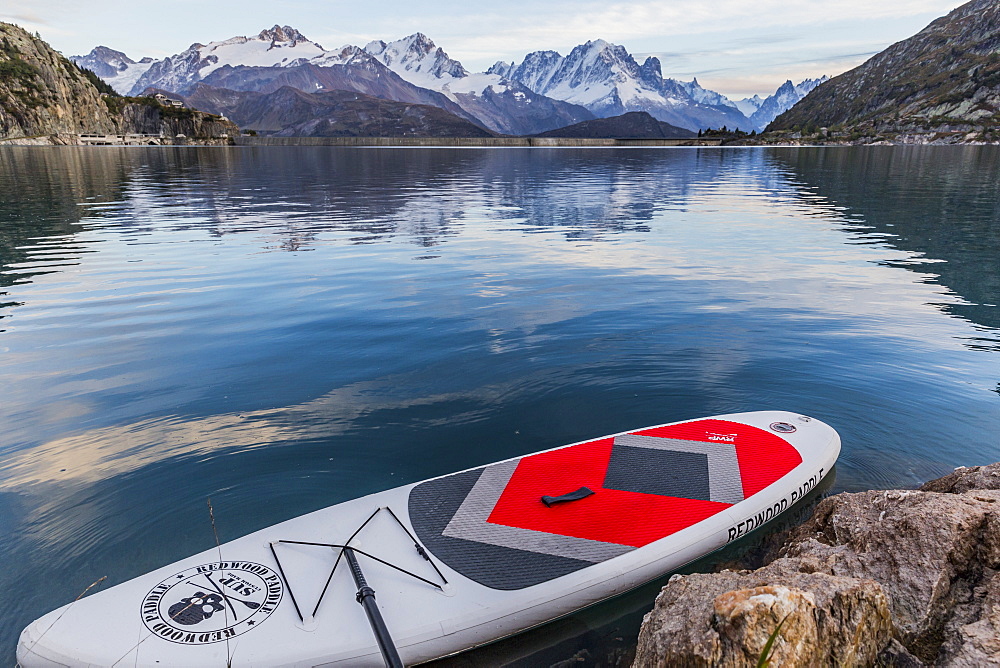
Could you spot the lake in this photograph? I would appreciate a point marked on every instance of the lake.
(282, 329)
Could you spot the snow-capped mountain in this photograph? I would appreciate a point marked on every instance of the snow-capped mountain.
(411, 70)
(705, 96)
(120, 71)
(418, 60)
(281, 46)
(781, 101)
(608, 81)
(544, 91)
(749, 105)
(350, 69)
(499, 103)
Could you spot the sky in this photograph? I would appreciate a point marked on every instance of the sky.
(735, 47)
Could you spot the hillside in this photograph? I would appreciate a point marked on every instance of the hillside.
(633, 125)
(948, 73)
(44, 95)
(290, 112)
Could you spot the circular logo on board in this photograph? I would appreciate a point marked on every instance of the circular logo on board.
(782, 427)
(212, 602)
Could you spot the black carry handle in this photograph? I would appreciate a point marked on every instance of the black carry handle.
(581, 493)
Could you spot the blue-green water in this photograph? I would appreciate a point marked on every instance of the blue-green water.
(282, 329)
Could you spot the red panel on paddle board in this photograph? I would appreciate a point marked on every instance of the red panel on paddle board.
(764, 457)
(631, 518)
(610, 515)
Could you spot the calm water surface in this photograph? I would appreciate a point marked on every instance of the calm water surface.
(282, 329)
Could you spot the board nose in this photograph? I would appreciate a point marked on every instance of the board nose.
(32, 650)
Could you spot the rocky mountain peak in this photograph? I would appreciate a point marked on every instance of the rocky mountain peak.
(420, 42)
(501, 68)
(279, 34)
(651, 69)
(416, 54)
(104, 62)
(606, 79)
(785, 97)
(107, 54)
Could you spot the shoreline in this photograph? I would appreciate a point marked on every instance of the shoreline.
(479, 142)
(243, 140)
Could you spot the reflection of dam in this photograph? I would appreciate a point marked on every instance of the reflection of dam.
(944, 208)
(438, 142)
(121, 140)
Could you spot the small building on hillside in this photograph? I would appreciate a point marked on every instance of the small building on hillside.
(166, 101)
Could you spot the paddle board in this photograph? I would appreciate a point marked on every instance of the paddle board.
(454, 561)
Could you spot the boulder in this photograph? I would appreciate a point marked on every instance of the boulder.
(893, 578)
(928, 550)
(726, 619)
(966, 478)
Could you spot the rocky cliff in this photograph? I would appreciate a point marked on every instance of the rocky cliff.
(43, 95)
(947, 73)
(890, 578)
(146, 116)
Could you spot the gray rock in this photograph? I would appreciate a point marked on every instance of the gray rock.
(896, 656)
(888, 578)
(926, 549)
(726, 619)
(966, 478)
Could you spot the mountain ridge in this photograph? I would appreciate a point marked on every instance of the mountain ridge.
(544, 92)
(506, 98)
(501, 104)
(606, 79)
(950, 70)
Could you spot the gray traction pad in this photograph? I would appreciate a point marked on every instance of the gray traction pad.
(663, 472)
(724, 479)
(433, 504)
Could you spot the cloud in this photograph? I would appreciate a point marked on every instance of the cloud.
(23, 18)
(562, 27)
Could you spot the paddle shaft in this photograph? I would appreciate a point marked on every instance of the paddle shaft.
(366, 597)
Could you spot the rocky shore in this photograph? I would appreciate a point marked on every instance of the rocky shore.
(879, 578)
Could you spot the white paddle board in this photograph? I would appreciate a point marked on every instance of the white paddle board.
(455, 561)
